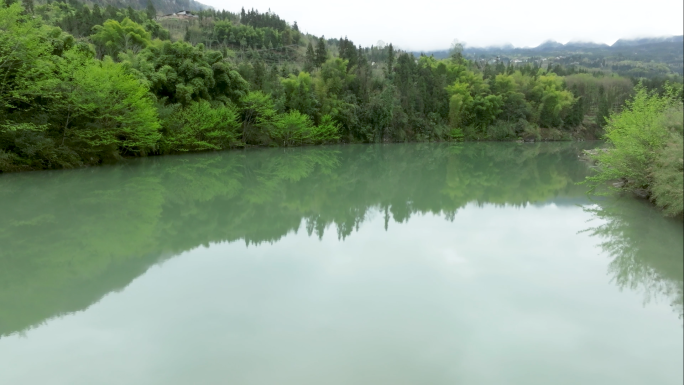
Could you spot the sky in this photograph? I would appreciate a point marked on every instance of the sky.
(433, 25)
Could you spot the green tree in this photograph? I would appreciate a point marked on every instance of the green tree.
(151, 11)
(309, 58)
(456, 51)
(23, 53)
(321, 52)
(515, 106)
(26, 61)
(181, 73)
(668, 170)
(603, 112)
(258, 117)
(553, 101)
(298, 92)
(113, 37)
(390, 60)
(28, 5)
(200, 127)
(643, 156)
(328, 131)
(120, 114)
(291, 128)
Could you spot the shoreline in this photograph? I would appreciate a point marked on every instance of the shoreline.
(253, 146)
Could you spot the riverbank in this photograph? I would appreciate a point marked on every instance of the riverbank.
(7, 167)
(644, 151)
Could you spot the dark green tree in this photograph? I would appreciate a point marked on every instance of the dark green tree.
(321, 52)
(390, 60)
(28, 5)
(310, 58)
(151, 11)
(603, 107)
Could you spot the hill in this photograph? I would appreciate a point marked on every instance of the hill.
(643, 57)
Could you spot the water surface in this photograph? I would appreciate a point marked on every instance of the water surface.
(393, 264)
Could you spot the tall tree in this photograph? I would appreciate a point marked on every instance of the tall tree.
(390, 60)
(113, 37)
(310, 58)
(28, 5)
(321, 52)
(151, 11)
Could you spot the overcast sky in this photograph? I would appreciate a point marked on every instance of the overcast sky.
(430, 25)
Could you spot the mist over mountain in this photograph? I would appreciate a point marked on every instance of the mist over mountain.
(570, 47)
(649, 40)
(584, 45)
(639, 57)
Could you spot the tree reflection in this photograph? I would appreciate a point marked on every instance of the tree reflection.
(646, 249)
(70, 237)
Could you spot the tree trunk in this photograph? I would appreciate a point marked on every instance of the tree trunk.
(65, 127)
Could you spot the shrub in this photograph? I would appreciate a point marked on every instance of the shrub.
(501, 130)
(200, 127)
(531, 131)
(645, 150)
(457, 135)
(291, 128)
(668, 173)
(634, 135)
(295, 128)
(668, 177)
(326, 132)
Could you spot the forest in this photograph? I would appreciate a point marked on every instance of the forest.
(83, 85)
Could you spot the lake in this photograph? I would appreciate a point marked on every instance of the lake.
(478, 263)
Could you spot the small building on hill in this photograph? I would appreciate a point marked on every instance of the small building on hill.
(180, 15)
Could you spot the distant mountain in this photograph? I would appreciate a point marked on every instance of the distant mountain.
(650, 40)
(628, 57)
(548, 45)
(584, 45)
(554, 46)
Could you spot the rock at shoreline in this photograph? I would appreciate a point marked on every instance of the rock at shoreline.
(589, 155)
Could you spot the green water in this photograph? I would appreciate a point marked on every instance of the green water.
(393, 264)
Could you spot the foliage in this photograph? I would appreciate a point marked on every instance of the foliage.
(668, 171)
(199, 127)
(291, 128)
(113, 37)
(553, 102)
(120, 114)
(501, 130)
(61, 107)
(328, 131)
(258, 117)
(22, 44)
(298, 93)
(643, 140)
(182, 73)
